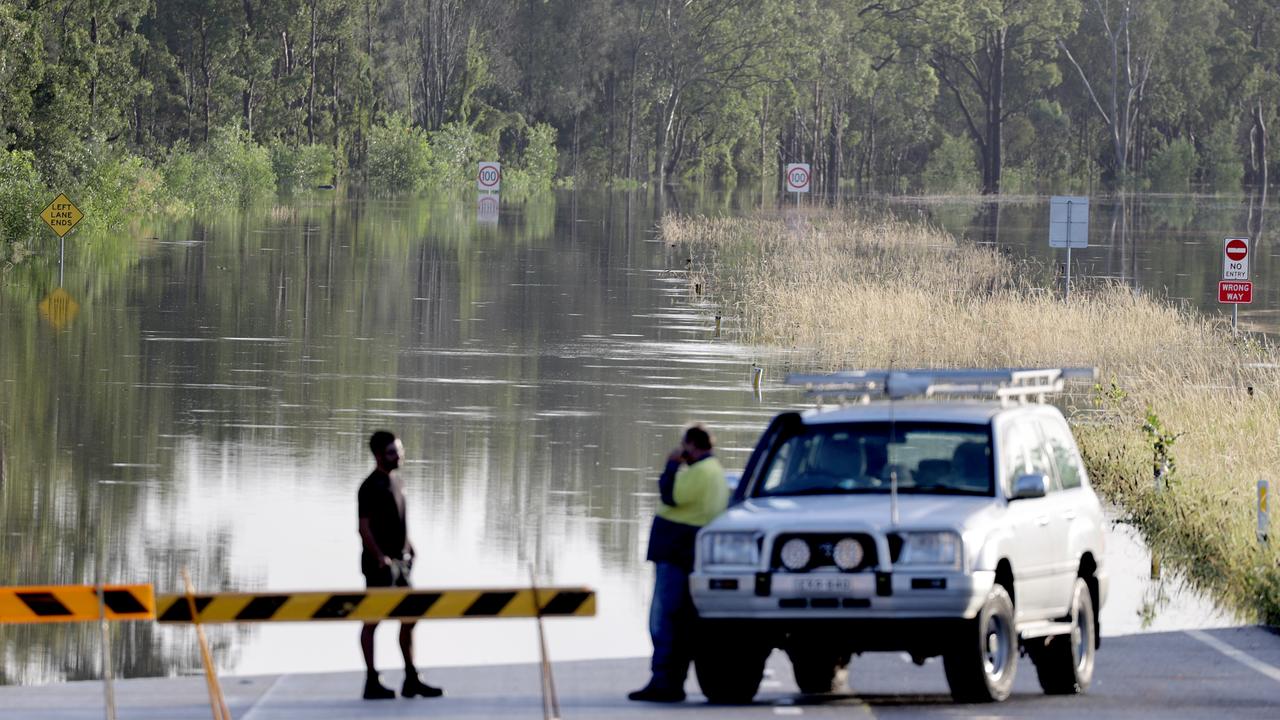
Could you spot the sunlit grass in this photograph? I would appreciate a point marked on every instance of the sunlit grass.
(853, 291)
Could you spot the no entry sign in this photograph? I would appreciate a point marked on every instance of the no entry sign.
(489, 179)
(798, 177)
(1235, 259)
(1235, 293)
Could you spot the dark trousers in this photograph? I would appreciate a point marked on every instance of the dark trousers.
(672, 623)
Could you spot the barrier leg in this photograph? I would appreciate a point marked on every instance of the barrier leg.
(217, 702)
(108, 686)
(550, 702)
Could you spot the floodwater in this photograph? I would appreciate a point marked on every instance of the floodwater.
(204, 399)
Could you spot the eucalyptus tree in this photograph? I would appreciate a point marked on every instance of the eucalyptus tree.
(995, 58)
(1251, 56)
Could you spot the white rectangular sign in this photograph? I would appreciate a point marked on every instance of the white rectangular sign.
(1235, 259)
(798, 177)
(1069, 221)
(489, 179)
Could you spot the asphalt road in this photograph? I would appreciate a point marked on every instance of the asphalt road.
(1230, 673)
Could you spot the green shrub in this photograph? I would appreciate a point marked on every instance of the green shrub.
(231, 170)
(459, 149)
(400, 156)
(540, 155)
(117, 189)
(1171, 168)
(952, 167)
(1221, 163)
(21, 194)
(303, 167)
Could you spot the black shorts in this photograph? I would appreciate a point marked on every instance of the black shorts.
(394, 575)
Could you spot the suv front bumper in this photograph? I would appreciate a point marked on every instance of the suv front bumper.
(905, 594)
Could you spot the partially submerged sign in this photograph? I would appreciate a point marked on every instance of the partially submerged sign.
(61, 215)
(489, 178)
(487, 209)
(1069, 221)
(798, 177)
(1235, 293)
(59, 309)
(1235, 259)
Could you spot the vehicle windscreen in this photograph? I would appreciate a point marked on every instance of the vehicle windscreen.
(939, 458)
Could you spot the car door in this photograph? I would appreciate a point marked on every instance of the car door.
(1074, 507)
(1031, 552)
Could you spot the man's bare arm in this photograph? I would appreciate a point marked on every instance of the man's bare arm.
(366, 534)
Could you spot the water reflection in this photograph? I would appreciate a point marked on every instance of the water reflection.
(1166, 245)
(209, 406)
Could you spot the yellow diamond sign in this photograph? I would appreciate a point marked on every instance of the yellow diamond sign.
(59, 308)
(61, 215)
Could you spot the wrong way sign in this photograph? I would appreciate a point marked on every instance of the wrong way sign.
(1235, 259)
(1235, 293)
(798, 177)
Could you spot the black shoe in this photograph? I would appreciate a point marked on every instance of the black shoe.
(653, 693)
(373, 690)
(413, 687)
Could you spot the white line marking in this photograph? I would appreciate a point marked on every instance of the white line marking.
(248, 714)
(788, 711)
(1238, 655)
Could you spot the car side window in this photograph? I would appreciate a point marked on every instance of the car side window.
(1066, 458)
(778, 468)
(1023, 454)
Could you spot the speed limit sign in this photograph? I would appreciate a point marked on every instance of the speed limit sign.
(489, 179)
(798, 177)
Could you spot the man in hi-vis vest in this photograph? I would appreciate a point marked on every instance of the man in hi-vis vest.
(693, 492)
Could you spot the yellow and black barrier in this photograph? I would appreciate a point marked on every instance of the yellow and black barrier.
(377, 604)
(76, 603)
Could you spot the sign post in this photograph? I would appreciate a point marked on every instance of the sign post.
(61, 216)
(1068, 227)
(489, 178)
(798, 179)
(1264, 512)
(1235, 287)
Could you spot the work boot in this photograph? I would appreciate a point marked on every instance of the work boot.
(657, 694)
(374, 690)
(414, 687)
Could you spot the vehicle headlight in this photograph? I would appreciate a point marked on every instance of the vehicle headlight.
(847, 554)
(930, 548)
(795, 554)
(731, 549)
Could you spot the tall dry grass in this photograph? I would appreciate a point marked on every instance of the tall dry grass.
(860, 291)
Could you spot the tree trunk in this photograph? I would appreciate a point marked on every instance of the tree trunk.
(311, 87)
(1258, 146)
(995, 116)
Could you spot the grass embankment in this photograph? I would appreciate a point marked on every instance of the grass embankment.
(861, 292)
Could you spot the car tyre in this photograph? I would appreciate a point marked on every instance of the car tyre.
(1064, 664)
(983, 659)
(818, 671)
(729, 668)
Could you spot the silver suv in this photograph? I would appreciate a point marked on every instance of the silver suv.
(964, 529)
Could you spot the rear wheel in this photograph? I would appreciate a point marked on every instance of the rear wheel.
(729, 667)
(818, 670)
(983, 659)
(1064, 663)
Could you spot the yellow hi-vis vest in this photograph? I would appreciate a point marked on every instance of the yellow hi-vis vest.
(700, 493)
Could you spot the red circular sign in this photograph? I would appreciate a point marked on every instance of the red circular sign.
(489, 176)
(798, 178)
(1237, 250)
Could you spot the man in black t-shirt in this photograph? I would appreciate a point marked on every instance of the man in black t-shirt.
(387, 558)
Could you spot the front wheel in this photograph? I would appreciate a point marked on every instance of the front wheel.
(1064, 663)
(729, 668)
(983, 658)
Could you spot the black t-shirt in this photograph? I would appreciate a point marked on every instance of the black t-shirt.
(381, 500)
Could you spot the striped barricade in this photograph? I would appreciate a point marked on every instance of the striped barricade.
(377, 604)
(75, 603)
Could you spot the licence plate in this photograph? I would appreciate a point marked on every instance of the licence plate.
(828, 585)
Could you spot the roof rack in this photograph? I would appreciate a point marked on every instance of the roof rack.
(1008, 385)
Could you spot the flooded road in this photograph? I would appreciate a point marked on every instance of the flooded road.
(208, 403)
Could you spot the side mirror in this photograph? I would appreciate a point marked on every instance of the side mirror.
(1030, 486)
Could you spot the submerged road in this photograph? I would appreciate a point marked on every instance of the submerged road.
(1227, 673)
